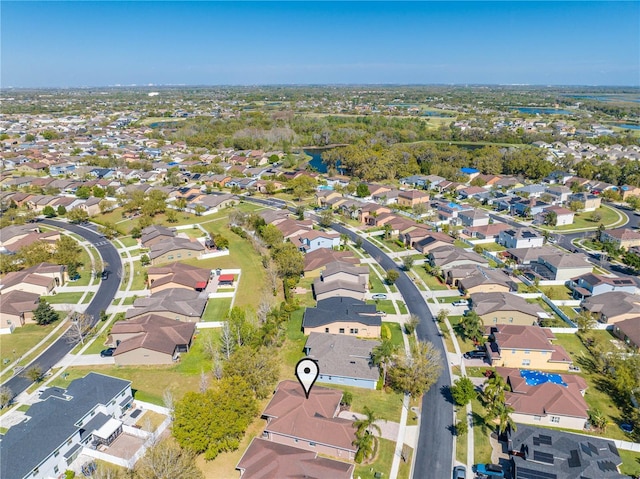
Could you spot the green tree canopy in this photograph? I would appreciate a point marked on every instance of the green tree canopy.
(463, 391)
(416, 373)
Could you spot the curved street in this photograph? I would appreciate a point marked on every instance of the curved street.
(434, 453)
(101, 301)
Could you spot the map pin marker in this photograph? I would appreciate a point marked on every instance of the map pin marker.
(307, 371)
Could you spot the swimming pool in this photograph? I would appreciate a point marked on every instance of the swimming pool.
(535, 378)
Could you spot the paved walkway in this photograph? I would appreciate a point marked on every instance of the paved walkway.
(84, 360)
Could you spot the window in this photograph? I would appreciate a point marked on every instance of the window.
(57, 453)
(555, 419)
(527, 351)
(513, 351)
(536, 418)
(69, 442)
(56, 469)
(341, 330)
(511, 320)
(326, 330)
(312, 444)
(495, 320)
(353, 331)
(170, 257)
(526, 362)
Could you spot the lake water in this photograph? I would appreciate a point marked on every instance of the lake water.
(627, 126)
(542, 111)
(316, 159)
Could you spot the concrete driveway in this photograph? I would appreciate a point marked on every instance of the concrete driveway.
(85, 360)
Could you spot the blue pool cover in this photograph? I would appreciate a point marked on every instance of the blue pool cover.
(534, 378)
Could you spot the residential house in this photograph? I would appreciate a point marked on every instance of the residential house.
(551, 453)
(587, 201)
(621, 237)
(16, 309)
(591, 284)
(33, 168)
(563, 215)
(40, 279)
(61, 424)
(560, 266)
(531, 191)
(342, 280)
(150, 339)
(528, 207)
(629, 332)
(212, 203)
(371, 210)
(473, 218)
(265, 459)
(388, 197)
(411, 198)
(520, 238)
(177, 275)
(177, 303)
(612, 307)
(175, 248)
(293, 227)
(489, 231)
(471, 192)
(342, 315)
(525, 256)
(449, 257)
(559, 193)
(546, 399)
(432, 240)
(309, 423)
(315, 239)
(479, 279)
(505, 308)
(525, 346)
(629, 191)
(343, 360)
(154, 234)
(322, 196)
(316, 260)
(415, 234)
(62, 169)
(417, 181)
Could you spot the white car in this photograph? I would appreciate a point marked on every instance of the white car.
(460, 302)
(379, 296)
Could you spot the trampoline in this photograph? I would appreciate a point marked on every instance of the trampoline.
(535, 378)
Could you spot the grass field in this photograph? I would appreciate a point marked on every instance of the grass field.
(217, 309)
(481, 431)
(16, 344)
(556, 292)
(396, 334)
(630, 463)
(609, 218)
(60, 298)
(382, 463)
(385, 305)
(461, 439)
(431, 281)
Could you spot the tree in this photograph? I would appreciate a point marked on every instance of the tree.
(575, 206)
(326, 218)
(551, 218)
(172, 216)
(215, 421)
(381, 356)
(181, 203)
(80, 325)
(493, 393)
(106, 205)
(67, 252)
(48, 211)
(442, 315)
(83, 192)
(472, 326)
(61, 210)
(598, 419)
(503, 415)
(463, 391)
(77, 215)
(366, 439)
(34, 373)
(596, 217)
(288, 259)
(416, 373)
(220, 241)
(167, 460)
(6, 396)
(144, 260)
(412, 323)
(199, 209)
(109, 230)
(362, 190)
(392, 276)
(302, 186)
(585, 321)
(44, 313)
(271, 235)
(34, 253)
(259, 368)
(407, 262)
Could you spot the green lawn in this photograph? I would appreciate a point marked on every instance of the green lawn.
(432, 282)
(385, 405)
(87, 299)
(138, 277)
(217, 309)
(71, 298)
(583, 220)
(376, 283)
(598, 394)
(461, 439)
(556, 292)
(98, 344)
(292, 348)
(569, 311)
(14, 345)
(493, 247)
(128, 241)
(396, 334)
(385, 305)
(84, 270)
(403, 308)
(382, 463)
(630, 463)
(464, 343)
(481, 432)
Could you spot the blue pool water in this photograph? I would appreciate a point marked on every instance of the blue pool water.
(325, 187)
(535, 378)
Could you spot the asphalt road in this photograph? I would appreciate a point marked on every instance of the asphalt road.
(434, 454)
(101, 300)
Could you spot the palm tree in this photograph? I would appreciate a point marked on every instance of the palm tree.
(493, 393)
(367, 424)
(381, 355)
(366, 446)
(472, 326)
(366, 440)
(505, 422)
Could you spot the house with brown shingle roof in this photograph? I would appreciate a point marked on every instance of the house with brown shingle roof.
(40, 279)
(311, 424)
(621, 237)
(177, 275)
(315, 260)
(269, 460)
(505, 308)
(546, 399)
(176, 248)
(531, 347)
(150, 339)
(342, 280)
(412, 198)
(613, 307)
(177, 303)
(629, 331)
(16, 309)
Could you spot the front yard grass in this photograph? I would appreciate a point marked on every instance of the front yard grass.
(432, 282)
(481, 432)
(464, 343)
(138, 277)
(16, 344)
(558, 292)
(382, 463)
(609, 218)
(630, 463)
(396, 334)
(461, 439)
(385, 305)
(64, 298)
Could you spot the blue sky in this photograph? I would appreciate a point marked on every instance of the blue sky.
(46, 44)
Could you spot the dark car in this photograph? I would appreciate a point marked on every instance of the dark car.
(105, 274)
(459, 472)
(107, 353)
(477, 354)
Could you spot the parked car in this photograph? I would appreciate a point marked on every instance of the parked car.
(105, 274)
(459, 472)
(460, 302)
(381, 313)
(477, 354)
(107, 353)
(379, 296)
(490, 470)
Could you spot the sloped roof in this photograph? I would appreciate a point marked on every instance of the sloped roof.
(341, 355)
(179, 273)
(174, 244)
(486, 303)
(154, 332)
(323, 256)
(176, 300)
(340, 309)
